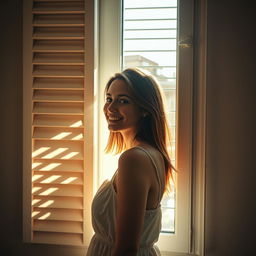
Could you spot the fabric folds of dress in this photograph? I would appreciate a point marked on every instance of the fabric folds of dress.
(104, 220)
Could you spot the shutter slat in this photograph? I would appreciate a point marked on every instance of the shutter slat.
(58, 1)
(57, 178)
(58, 33)
(44, 165)
(59, 6)
(58, 226)
(57, 214)
(57, 190)
(57, 12)
(58, 108)
(58, 83)
(58, 134)
(58, 121)
(71, 20)
(47, 149)
(57, 238)
(58, 59)
(58, 96)
(58, 71)
(57, 202)
(57, 24)
(56, 46)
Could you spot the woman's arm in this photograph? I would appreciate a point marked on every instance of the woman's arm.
(133, 183)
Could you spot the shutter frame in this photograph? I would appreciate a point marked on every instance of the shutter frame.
(58, 105)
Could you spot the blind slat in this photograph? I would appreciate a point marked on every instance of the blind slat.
(58, 226)
(57, 190)
(45, 165)
(58, 133)
(57, 214)
(57, 202)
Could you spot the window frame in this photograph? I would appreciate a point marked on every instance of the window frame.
(110, 47)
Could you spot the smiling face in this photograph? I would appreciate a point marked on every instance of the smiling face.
(121, 112)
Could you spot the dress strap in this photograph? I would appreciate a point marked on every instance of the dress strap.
(114, 175)
(156, 169)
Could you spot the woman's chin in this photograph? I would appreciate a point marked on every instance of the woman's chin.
(113, 128)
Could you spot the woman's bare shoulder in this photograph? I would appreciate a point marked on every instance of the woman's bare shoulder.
(134, 157)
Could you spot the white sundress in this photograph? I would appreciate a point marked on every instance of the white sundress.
(104, 219)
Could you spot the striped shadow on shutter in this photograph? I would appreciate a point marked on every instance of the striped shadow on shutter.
(58, 107)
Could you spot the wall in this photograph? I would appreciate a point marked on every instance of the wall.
(230, 179)
(11, 141)
(230, 215)
(10, 128)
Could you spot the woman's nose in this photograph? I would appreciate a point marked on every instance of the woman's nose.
(111, 107)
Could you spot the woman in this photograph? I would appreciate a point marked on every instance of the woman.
(126, 213)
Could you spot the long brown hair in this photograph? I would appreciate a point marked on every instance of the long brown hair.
(153, 127)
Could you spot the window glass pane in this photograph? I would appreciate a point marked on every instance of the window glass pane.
(150, 13)
(150, 3)
(149, 42)
(149, 58)
(150, 33)
(150, 24)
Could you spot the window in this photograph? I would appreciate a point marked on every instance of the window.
(146, 36)
(149, 42)
(68, 56)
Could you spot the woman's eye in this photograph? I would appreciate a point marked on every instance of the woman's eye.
(123, 101)
(108, 100)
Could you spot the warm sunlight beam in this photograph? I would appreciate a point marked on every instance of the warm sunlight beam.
(51, 179)
(36, 177)
(48, 191)
(43, 205)
(35, 189)
(45, 216)
(34, 165)
(35, 201)
(49, 167)
(78, 137)
(77, 124)
(61, 135)
(69, 180)
(39, 151)
(34, 213)
(70, 155)
(55, 152)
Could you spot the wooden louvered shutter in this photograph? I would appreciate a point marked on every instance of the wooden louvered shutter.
(58, 90)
